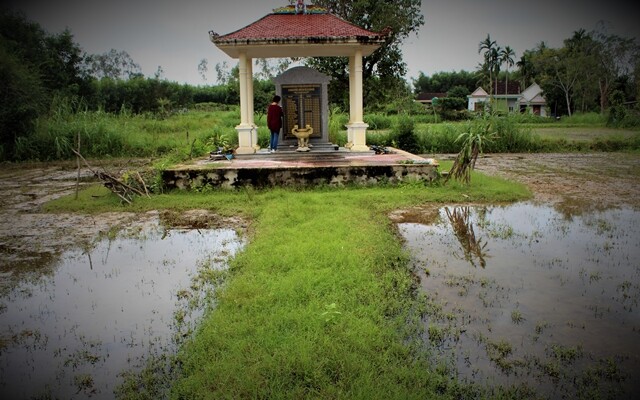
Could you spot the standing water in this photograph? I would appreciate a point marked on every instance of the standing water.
(523, 297)
(98, 313)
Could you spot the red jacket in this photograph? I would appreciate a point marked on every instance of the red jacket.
(275, 115)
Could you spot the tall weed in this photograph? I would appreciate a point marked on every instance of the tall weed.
(511, 137)
(439, 138)
(337, 121)
(591, 118)
(378, 121)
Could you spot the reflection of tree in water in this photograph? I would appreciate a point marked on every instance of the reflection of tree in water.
(460, 219)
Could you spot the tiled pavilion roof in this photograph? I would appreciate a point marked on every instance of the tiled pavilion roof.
(293, 26)
(299, 35)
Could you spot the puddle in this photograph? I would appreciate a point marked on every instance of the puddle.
(522, 296)
(71, 333)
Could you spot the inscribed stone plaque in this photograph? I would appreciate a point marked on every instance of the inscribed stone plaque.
(301, 106)
(304, 93)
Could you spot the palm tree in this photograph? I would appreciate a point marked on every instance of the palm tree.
(506, 56)
(525, 67)
(495, 62)
(491, 57)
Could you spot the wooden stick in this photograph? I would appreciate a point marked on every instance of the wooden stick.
(78, 164)
(106, 177)
(143, 184)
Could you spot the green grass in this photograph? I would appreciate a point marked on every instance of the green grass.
(185, 135)
(125, 135)
(320, 304)
(315, 308)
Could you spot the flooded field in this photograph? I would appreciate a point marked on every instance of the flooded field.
(71, 329)
(539, 295)
(526, 296)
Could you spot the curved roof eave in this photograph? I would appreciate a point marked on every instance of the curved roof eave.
(310, 47)
(299, 35)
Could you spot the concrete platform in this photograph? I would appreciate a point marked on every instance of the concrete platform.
(326, 166)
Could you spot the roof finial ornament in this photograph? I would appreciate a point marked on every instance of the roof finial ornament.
(301, 8)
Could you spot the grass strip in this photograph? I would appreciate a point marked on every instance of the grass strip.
(321, 304)
(314, 309)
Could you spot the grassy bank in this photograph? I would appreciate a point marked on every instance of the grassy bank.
(194, 133)
(320, 304)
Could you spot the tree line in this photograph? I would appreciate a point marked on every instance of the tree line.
(40, 72)
(592, 72)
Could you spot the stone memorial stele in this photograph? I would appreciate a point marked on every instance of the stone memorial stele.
(304, 93)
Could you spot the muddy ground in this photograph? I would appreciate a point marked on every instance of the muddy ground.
(602, 179)
(29, 237)
(573, 182)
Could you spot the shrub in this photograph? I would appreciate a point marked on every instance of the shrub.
(621, 117)
(404, 136)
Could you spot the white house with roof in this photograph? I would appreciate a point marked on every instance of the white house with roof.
(510, 99)
(476, 100)
(531, 99)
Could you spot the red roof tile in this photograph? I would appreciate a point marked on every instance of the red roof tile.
(298, 26)
(428, 96)
(512, 89)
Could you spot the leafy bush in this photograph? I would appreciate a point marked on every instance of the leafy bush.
(621, 117)
(452, 109)
(404, 136)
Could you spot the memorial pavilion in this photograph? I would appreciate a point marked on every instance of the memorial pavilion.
(299, 32)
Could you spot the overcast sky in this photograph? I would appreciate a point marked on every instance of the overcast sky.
(174, 34)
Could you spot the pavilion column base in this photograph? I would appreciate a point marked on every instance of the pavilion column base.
(246, 144)
(357, 136)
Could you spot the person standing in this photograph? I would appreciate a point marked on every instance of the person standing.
(275, 119)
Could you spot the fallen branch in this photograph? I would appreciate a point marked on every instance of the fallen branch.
(121, 189)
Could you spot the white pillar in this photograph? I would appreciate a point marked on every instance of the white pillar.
(357, 83)
(251, 111)
(249, 79)
(245, 145)
(356, 129)
(352, 102)
(242, 77)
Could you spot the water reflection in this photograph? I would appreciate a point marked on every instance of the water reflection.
(556, 307)
(472, 247)
(104, 310)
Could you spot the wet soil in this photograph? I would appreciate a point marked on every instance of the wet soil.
(31, 239)
(575, 182)
(28, 237)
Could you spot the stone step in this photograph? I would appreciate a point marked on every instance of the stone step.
(322, 152)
